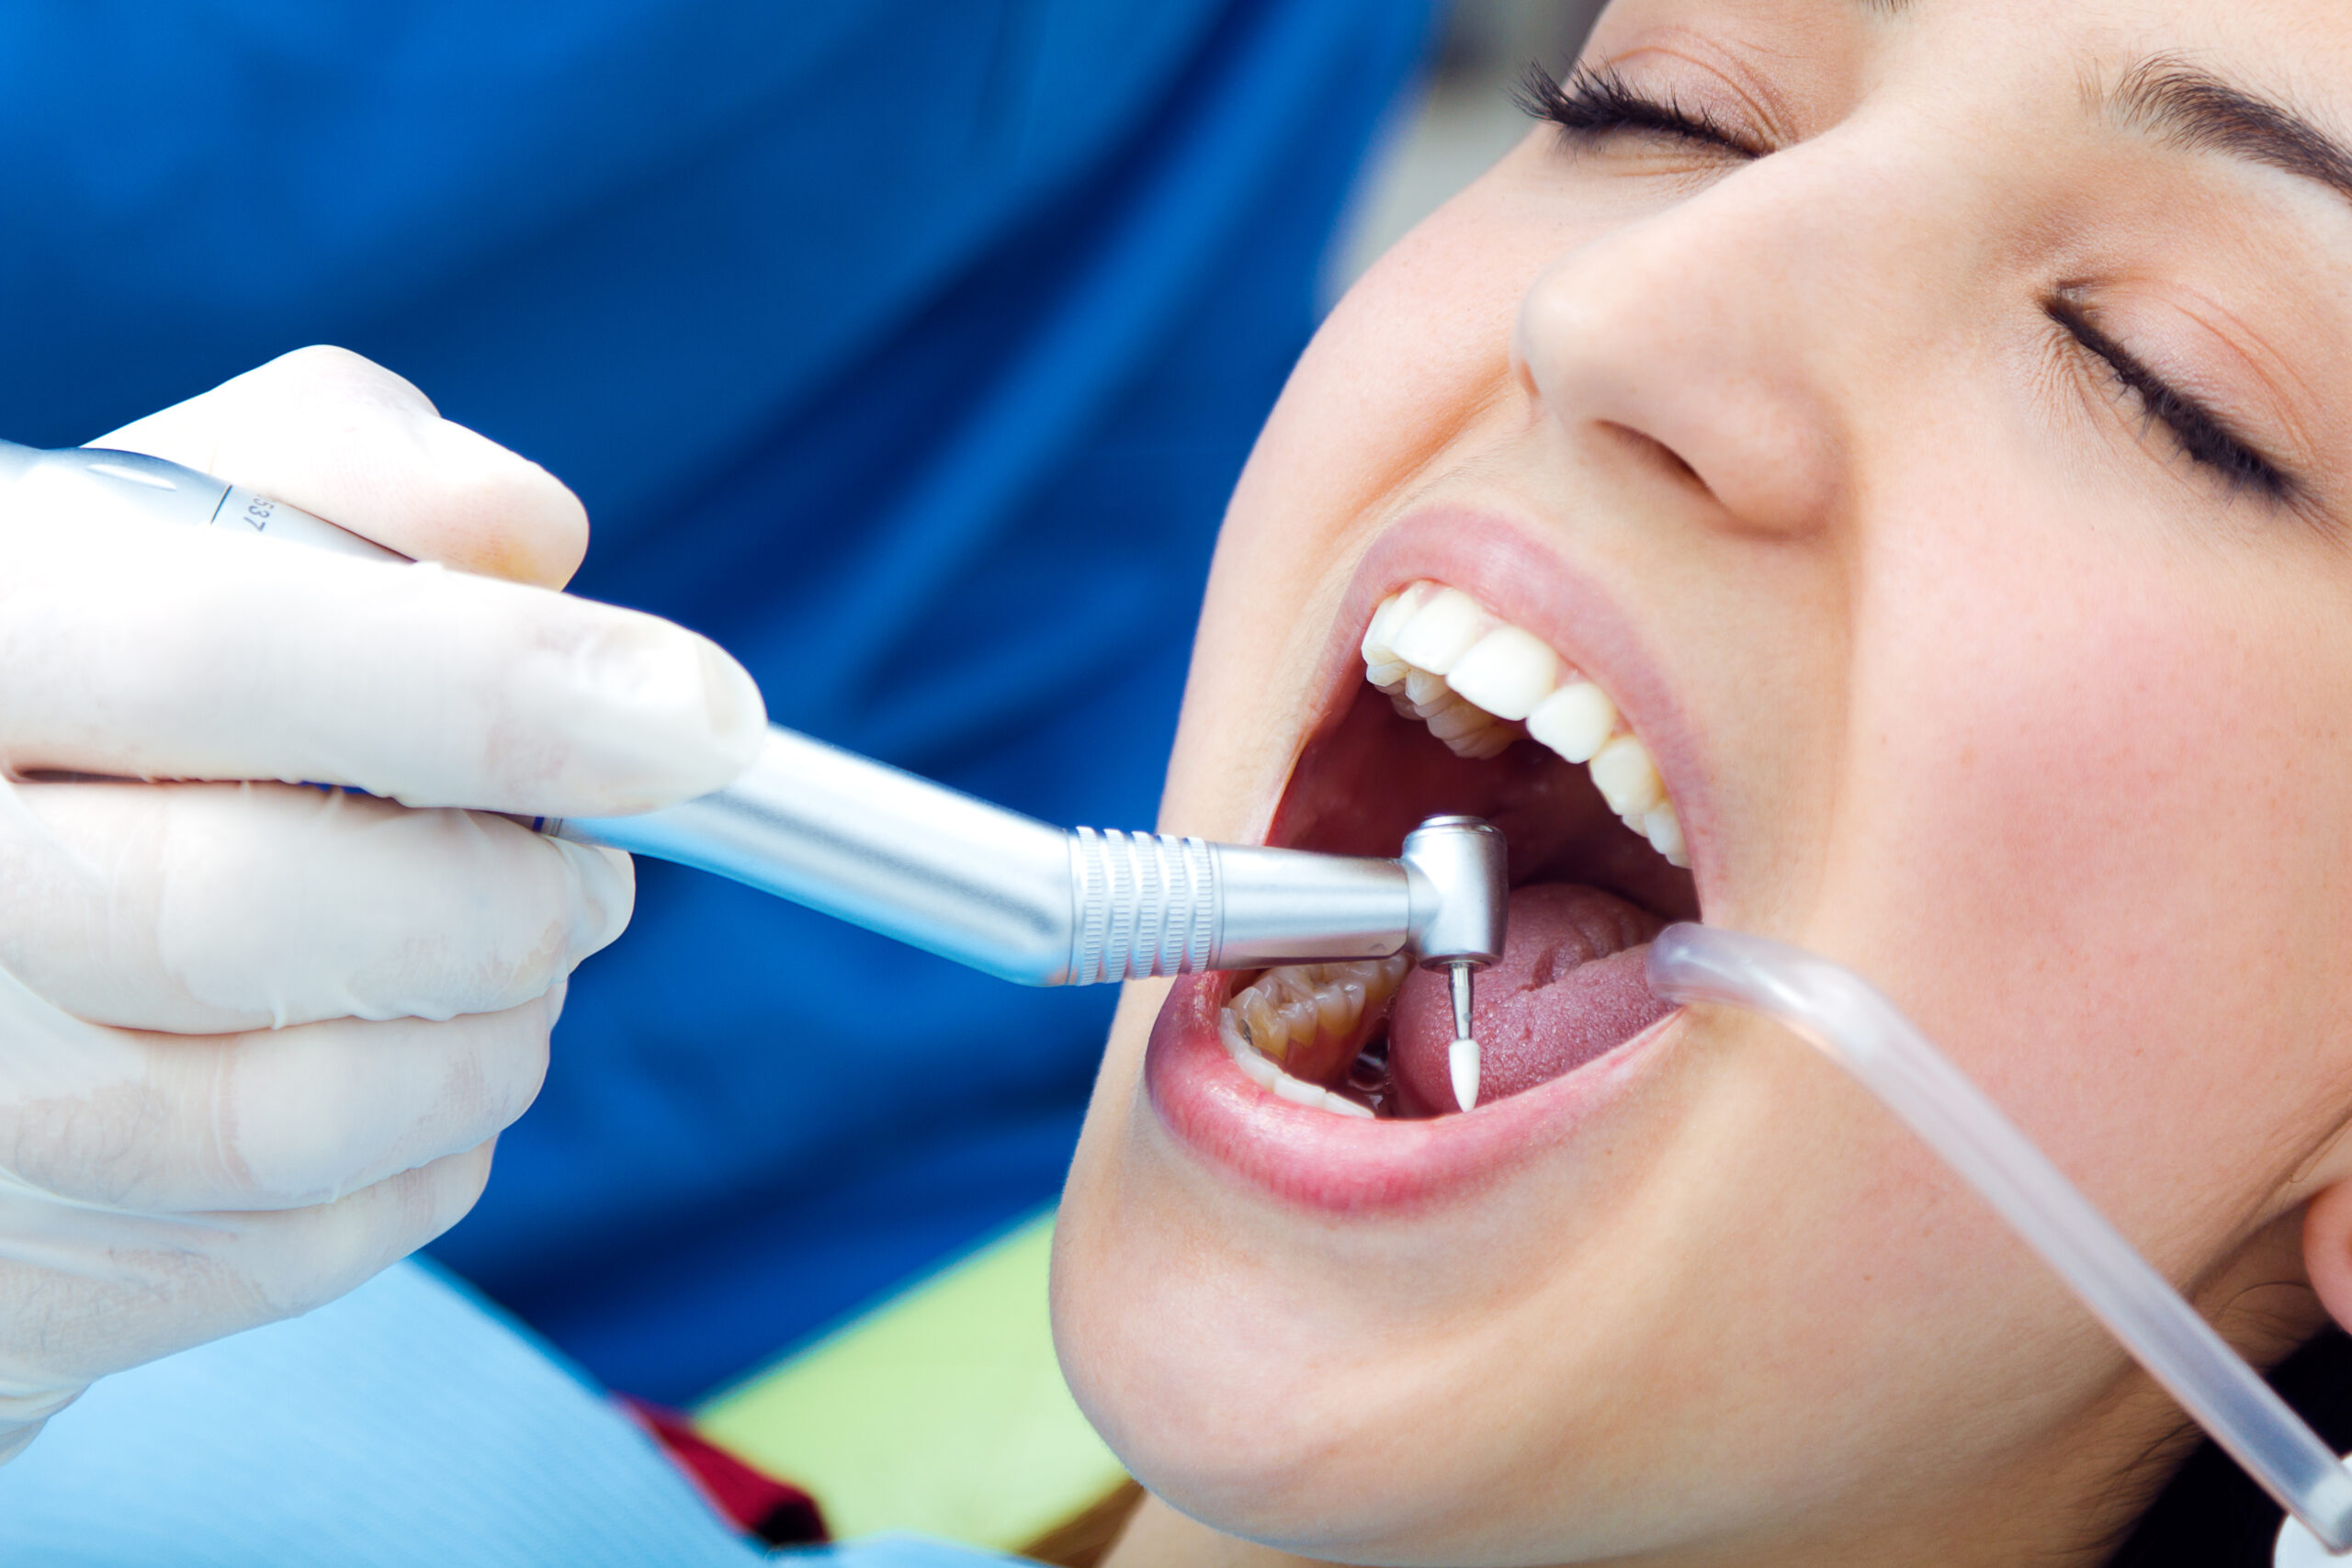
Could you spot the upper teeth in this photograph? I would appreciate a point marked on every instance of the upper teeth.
(1479, 682)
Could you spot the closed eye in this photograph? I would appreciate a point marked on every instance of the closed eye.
(2202, 435)
(1596, 102)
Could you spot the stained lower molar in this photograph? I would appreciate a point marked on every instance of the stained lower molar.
(1479, 684)
(1294, 1026)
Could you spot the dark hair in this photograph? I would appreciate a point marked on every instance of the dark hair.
(2209, 1514)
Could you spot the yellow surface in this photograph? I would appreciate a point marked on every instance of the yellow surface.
(940, 1411)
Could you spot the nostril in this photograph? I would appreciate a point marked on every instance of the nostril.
(1664, 457)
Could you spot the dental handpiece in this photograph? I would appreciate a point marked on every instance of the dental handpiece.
(953, 874)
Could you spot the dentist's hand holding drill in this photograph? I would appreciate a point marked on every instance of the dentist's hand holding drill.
(257, 1038)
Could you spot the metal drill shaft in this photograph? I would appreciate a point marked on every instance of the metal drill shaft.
(1461, 1056)
(1034, 904)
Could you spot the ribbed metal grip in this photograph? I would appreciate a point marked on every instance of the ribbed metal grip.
(1147, 904)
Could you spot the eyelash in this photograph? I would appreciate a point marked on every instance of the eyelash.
(1594, 103)
(2202, 436)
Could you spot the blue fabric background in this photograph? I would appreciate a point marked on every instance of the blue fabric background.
(907, 347)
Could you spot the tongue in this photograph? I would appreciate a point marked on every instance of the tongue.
(1569, 988)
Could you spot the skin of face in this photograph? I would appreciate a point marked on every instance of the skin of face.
(1961, 673)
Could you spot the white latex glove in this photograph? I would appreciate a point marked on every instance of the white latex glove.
(256, 1040)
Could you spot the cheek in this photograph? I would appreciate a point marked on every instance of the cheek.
(2107, 815)
(1410, 375)
(1415, 349)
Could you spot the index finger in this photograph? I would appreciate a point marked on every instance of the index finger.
(346, 439)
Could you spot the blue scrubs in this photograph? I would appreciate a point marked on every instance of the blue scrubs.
(402, 1425)
(909, 348)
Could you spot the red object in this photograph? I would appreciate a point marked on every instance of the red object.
(776, 1511)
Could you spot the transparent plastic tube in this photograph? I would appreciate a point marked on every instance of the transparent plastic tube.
(1863, 1032)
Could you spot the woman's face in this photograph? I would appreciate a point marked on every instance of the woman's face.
(1930, 424)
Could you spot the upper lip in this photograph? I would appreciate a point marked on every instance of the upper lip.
(1340, 1163)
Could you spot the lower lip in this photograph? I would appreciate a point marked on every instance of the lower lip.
(1319, 1160)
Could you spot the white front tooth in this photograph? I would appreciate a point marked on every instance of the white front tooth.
(1627, 779)
(1380, 636)
(1388, 677)
(1344, 1106)
(1441, 631)
(1506, 672)
(1665, 832)
(1574, 721)
(1377, 642)
(1425, 690)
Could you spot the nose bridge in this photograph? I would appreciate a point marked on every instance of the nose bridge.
(1732, 329)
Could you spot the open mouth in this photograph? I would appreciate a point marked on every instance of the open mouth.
(1461, 711)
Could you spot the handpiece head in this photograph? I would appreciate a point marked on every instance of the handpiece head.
(1460, 901)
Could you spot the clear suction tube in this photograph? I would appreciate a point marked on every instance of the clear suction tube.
(1862, 1032)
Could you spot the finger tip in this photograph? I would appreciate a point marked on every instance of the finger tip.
(738, 713)
(493, 512)
(605, 897)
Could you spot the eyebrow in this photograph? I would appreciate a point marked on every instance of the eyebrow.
(2192, 107)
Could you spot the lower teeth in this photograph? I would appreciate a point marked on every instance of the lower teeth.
(1285, 1014)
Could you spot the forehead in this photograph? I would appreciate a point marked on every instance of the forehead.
(2307, 41)
(2267, 82)
(2304, 45)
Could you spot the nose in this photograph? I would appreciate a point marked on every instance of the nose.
(1714, 341)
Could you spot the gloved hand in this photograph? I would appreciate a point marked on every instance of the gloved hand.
(257, 1038)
